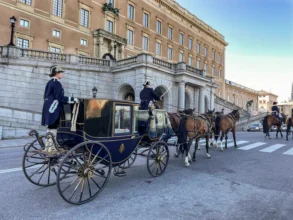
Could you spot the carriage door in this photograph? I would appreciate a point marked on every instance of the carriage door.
(123, 120)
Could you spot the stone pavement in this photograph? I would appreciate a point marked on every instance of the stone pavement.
(15, 142)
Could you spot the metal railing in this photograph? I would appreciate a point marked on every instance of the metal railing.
(42, 55)
(93, 61)
(127, 61)
(163, 63)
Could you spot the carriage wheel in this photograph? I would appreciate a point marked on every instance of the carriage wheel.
(128, 163)
(158, 158)
(84, 172)
(37, 168)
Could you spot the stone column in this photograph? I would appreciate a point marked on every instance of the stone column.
(201, 99)
(196, 99)
(181, 97)
(100, 47)
(212, 98)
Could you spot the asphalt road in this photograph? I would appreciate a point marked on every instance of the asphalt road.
(254, 181)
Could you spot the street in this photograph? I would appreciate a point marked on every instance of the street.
(254, 181)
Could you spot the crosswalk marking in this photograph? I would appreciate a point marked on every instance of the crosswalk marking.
(289, 152)
(237, 142)
(272, 148)
(251, 146)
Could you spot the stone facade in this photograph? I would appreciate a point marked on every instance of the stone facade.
(240, 96)
(286, 108)
(89, 28)
(266, 100)
(23, 79)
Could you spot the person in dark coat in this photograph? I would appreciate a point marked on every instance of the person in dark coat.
(147, 95)
(54, 100)
(276, 111)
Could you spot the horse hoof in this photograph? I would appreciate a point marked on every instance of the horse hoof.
(193, 159)
(222, 149)
(187, 164)
(176, 155)
(235, 146)
(208, 156)
(189, 160)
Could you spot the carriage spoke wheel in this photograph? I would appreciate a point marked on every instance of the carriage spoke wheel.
(38, 169)
(128, 163)
(158, 158)
(84, 172)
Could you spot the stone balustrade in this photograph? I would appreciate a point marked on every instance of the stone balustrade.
(194, 70)
(93, 61)
(42, 55)
(127, 61)
(163, 63)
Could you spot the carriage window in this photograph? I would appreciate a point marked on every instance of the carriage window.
(122, 119)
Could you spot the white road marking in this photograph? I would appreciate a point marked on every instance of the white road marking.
(251, 146)
(237, 142)
(272, 148)
(289, 152)
(17, 169)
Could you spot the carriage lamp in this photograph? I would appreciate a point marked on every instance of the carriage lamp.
(12, 21)
(95, 90)
(115, 48)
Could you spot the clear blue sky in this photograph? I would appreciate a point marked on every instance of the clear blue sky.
(260, 37)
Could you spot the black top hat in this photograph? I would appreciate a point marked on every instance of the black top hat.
(54, 70)
(146, 83)
(275, 103)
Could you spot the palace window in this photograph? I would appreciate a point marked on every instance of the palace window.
(170, 53)
(110, 2)
(130, 37)
(24, 23)
(56, 33)
(170, 33)
(198, 47)
(130, 11)
(23, 43)
(198, 64)
(84, 17)
(57, 7)
(83, 42)
(190, 43)
(220, 73)
(55, 50)
(159, 27)
(206, 51)
(145, 43)
(158, 49)
(181, 36)
(190, 61)
(213, 71)
(109, 26)
(205, 67)
(146, 20)
(220, 59)
(213, 55)
(27, 2)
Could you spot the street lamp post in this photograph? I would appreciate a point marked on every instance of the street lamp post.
(115, 48)
(12, 21)
(95, 90)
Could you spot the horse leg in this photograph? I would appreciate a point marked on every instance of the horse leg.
(207, 147)
(198, 145)
(221, 144)
(187, 156)
(277, 132)
(176, 151)
(195, 148)
(226, 139)
(216, 140)
(234, 137)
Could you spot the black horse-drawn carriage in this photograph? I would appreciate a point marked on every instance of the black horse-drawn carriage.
(94, 137)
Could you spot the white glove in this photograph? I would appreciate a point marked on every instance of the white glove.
(161, 98)
(76, 100)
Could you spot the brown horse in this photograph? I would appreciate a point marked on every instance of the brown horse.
(271, 120)
(224, 124)
(289, 124)
(193, 128)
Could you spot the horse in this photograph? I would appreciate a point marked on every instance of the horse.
(289, 124)
(271, 120)
(224, 124)
(194, 128)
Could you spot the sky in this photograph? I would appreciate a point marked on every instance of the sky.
(260, 37)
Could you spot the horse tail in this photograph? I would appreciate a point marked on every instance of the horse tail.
(217, 125)
(265, 125)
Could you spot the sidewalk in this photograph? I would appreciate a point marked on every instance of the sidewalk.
(15, 142)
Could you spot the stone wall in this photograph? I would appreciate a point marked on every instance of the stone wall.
(229, 107)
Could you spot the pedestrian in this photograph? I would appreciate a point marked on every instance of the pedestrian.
(147, 96)
(54, 100)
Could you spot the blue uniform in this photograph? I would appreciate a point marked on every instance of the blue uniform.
(147, 95)
(53, 102)
(275, 110)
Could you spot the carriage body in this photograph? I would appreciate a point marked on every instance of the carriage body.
(110, 122)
